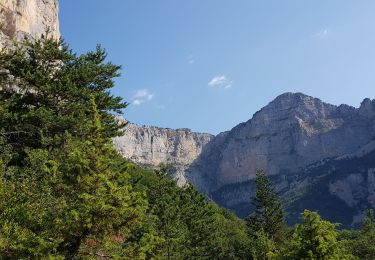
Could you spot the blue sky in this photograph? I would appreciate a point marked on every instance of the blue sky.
(211, 64)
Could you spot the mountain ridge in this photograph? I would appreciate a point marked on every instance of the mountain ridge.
(300, 110)
(284, 138)
(296, 124)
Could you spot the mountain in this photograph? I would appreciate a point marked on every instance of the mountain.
(285, 138)
(27, 18)
(292, 131)
(152, 147)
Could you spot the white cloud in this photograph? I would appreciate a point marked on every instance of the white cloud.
(144, 94)
(141, 96)
(322, 33)
(220, 81)
(137, 102)
(191, 59)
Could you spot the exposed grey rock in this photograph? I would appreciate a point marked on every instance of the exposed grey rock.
(27, 18)
(153, 146)
(291, 132)
(349, 189)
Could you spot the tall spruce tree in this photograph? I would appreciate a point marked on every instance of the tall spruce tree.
(269, 214)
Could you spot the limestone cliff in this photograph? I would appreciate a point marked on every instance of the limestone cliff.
(153, 146)
(27, 18)
(342, 189)
(319, 156)
(291, 132)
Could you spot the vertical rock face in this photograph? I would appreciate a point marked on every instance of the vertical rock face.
(154, 146)
(319, 156)
(27, 18)
(291, 132)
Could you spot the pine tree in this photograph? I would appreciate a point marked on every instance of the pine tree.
(269, 214)
(61, 190)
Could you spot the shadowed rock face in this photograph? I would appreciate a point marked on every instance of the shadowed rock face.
(27, 18)
(291, 132)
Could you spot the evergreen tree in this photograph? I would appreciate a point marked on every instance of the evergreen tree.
(269, 214)
(183, 224)
(315, 239)
(60, 187)
(362, 242)
(263, 247)
(368, 222)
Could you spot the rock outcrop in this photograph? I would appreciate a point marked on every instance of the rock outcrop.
(153, 146)
(27, 18)
(291, 132)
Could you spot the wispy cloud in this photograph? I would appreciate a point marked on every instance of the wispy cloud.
(322, 33)
(141, 96)
(191, 59)
(220, 81)
(160, 107)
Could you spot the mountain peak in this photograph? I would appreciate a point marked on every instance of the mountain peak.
(292, 95)
(367, 108)
(295, 98)
(289, 105)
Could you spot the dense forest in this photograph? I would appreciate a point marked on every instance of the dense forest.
(65, 193)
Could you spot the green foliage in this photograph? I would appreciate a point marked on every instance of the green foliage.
(263, 247)
(362, 242)
(59, 183)
(56, 92)
(315, 239)
(269, 214)
(184, 225)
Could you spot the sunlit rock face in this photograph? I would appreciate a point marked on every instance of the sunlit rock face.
(27, 18)
(154, 146)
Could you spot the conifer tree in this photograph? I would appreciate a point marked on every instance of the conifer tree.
(363, 244)
(60, 187)
(269, 214)
(315, 238)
